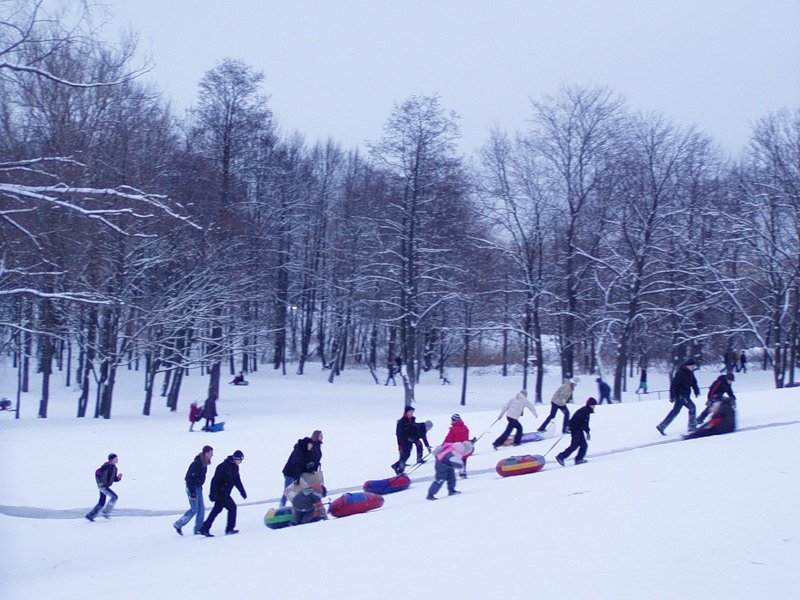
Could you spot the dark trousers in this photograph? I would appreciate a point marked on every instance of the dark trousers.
(512, 425)
(680, 402)
(605, 397)
(228, 504)
(554, 408)
(578, 443)
(105, 492)
(405, 452)
(443, 471)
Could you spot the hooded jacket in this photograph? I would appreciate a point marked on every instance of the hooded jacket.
(302, 460)
(562, 395)
(683, 384)
(580, 420)
(196, 474)
(514, 408)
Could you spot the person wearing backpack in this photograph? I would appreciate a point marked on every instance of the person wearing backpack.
(105, 477)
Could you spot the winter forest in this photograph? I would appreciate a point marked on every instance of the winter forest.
(201, 244)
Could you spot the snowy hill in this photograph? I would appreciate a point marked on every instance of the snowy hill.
(646, 517)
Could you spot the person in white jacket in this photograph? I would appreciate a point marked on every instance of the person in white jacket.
(559, 403)
(513, 410)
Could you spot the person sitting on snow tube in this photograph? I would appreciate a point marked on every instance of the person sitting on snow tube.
(723, 420)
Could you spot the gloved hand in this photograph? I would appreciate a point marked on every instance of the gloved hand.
(210, 497)
(429, 448)
(588, 435)
(311, 467)
(296, 481)
(192, 495)
(244, 495)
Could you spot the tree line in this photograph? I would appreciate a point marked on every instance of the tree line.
(596, 237)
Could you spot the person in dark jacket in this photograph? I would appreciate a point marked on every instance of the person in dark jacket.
(307, 504)
(391, 371)
(605, 391)
(579, 430)
(721, 388)
(195, 478)
(226, 477)
(306, 457)
(106, 476)
(723, 420)
(742, 362)
(422, 439)
(406, 433)
(209, 413)
(642, 389)
(680, 391)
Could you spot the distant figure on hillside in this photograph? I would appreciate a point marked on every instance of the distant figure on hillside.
(226, 477)
(683, 383)
(742, 362)
(405, 432)
(721, 388)
(422, 438)
(391, 371)
(195, 478)
(642, 389)
(458, 432)
(559, 403)
(239, 379)
(106, 476)
(449, 457)
(5, 404)
(579, 430)
(210, 413)
(729, 360)
(445, 376)
(195, 414)
(605, 391)
(513, 410)
(723, 420)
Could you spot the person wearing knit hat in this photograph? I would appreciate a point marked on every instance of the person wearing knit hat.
(579, 430)
(559, 403)
(448, 458)
(422, 438)
(683, 384)
(458, 432)
(513, 410)
(226, 477)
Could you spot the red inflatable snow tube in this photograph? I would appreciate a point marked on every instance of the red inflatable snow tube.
(520, 465)
(388, 486)
(355, 503)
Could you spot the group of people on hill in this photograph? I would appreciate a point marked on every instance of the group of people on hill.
(302, 473)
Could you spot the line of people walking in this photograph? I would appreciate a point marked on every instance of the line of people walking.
(305, 460)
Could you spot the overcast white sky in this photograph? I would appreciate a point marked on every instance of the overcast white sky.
(334, 67)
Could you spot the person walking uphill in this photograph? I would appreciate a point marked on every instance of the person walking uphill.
(226, 477)
(449, 457)
(306, 457)
(605, 391)
(559, 402)
(106, 476)
(680, 391)
(513, 410)
(458, 432)
(579, 430)
(406, 433)
(195, 478)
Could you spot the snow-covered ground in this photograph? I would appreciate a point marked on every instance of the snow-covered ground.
(647, 517)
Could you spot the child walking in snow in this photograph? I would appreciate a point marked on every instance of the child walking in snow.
(448, 458)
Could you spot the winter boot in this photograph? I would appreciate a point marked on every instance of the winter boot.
(559, 460)
(660, 429)
(580, 461)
